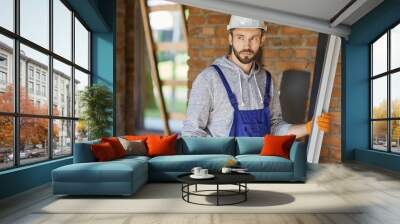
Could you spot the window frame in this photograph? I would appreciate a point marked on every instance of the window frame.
(16, 115)
(388, 74)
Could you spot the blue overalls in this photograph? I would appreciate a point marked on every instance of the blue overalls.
(251, 123)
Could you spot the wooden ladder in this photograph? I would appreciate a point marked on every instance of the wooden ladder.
(153, 48)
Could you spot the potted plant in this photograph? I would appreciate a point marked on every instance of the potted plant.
(96, 103)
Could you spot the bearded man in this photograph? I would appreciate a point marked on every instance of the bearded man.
(235, 96)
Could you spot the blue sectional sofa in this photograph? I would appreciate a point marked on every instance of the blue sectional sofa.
(125, 176)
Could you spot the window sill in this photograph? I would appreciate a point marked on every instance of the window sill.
(26, 167)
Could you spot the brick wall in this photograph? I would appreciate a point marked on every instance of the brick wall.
(125, 65)
(285, 48)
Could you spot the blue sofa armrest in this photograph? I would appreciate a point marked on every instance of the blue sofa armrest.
(298, 153)
(83, 152)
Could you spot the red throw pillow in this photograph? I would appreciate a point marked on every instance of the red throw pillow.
(103, 151)
(277, 145)
(161, 145)
(116, 145)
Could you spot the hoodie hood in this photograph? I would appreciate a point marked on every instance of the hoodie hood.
(234, 70)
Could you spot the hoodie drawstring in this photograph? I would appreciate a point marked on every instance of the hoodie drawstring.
(258, 88)
(240, 88)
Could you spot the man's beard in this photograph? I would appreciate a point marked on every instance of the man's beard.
(246, 59)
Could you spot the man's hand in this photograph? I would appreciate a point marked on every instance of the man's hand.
(323, 122)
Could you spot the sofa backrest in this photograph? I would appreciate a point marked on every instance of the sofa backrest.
(206, 145)
(249, 145)
(191, 146)
(83, 152)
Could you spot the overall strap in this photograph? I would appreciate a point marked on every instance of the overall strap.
(267, 89)
(228, 89)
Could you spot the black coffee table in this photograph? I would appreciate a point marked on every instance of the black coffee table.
(238, 179)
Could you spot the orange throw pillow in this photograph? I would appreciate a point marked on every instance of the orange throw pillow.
(277, 145)
(161, 145)
(116, 145)
(103, 151)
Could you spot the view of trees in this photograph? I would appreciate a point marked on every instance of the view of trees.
(380, 127)
(33, 132)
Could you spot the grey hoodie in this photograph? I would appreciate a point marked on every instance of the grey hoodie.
(209, 111)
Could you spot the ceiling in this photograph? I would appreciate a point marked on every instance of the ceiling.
(325, 16)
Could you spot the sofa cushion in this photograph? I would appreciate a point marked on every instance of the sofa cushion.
(257, 163)
(249, 145)
(132, 158)
(206, 145)
(185, 163)
(111, 171)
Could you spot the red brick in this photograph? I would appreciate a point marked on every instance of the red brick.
(295, 31)
(312, 41)
(286, 53)
(208, 31)
(218, 19)
(302, 53)
(197, 20)
(271, 53)
(285, 65)
(195, 11)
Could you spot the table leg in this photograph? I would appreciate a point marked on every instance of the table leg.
(196, 188)
(245, 193)
(188, 190)
(217, 194)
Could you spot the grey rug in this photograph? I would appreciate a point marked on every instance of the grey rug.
(166, 198)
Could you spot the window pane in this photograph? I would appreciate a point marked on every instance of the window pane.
(395, 47)
(379, 100)
(7, 14)
(62, 138)
(35, 21)
(379, 55)
(81, 45)
(395, 135)
(173, 64)
(379, 135)
(81, 131)
(166, 26)
(62, 89)
(34, 97)
(395, 94)
(62, 29)
(6, 74)
(81, 81)
(159, 2)
(33, 139)
(175, 98)
(6, 142)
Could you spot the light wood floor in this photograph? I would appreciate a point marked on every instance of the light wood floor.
(379, 189)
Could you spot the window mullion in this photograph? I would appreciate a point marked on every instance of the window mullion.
(371, 137)
(73, 82)
(50, 81)
(388, 94)
(16, 70)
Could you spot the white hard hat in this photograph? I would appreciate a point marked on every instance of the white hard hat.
(243, 22)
